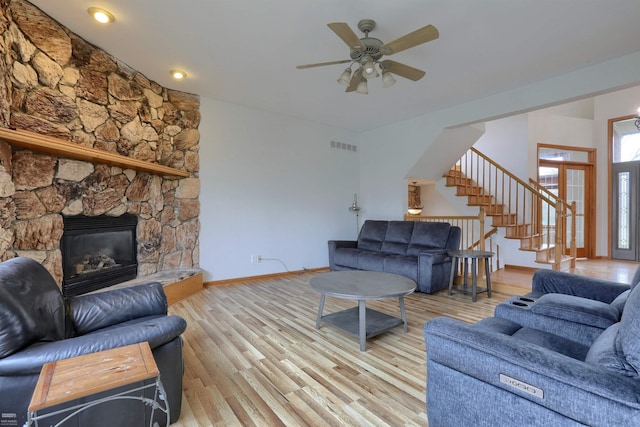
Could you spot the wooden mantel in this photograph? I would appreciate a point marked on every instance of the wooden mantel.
(58, 147)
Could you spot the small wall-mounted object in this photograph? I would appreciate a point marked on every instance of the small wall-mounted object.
(415, 204)
(354, 206)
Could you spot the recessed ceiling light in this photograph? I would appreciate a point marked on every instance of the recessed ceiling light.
(178, 74)
(101, 15)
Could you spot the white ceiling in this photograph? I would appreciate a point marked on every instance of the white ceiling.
(246, 51)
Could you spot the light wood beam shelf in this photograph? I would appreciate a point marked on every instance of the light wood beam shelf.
(62, 148)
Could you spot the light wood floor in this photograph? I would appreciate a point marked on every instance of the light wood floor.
(253, 356)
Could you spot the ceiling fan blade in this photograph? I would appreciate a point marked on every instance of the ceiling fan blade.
(403, 70)
(423, 35)
(322, 64)
(355, 80)
(347, 35)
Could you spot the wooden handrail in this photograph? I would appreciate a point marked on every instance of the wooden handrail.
(468, 235)
(510, 175)
(528, 211)
(539, 187)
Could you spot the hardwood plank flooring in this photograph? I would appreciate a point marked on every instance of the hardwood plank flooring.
(253, 356)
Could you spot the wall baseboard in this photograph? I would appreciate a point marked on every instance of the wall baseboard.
(264, 276)
(520, 268)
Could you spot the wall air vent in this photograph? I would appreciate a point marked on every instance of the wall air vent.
(342, 146)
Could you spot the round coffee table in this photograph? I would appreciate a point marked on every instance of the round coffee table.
(359, 285)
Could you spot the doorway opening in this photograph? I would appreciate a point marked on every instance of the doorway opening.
(624, 164)
(568, 172)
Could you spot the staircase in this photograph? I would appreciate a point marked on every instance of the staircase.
(527, 211)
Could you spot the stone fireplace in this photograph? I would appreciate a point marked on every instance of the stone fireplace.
(54, 83)
(97, 252)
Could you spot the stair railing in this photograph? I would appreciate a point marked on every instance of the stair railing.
(526, 212)
(568, 213)
(473, 235)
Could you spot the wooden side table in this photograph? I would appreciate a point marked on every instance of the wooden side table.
(473, 256)
(83, 376)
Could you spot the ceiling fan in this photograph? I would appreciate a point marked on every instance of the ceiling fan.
(367, 52)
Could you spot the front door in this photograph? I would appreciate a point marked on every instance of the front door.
(624, 162)
(625, 177)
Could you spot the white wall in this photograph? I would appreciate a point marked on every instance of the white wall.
(271, 185)
(389, 153)
(506, 142)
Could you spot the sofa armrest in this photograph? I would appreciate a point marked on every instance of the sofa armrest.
(576, 309)
(102, 309)
(157, 330)
(560, 282)
(335, 244)
(550, 318)
(434, 256)
(598, 396)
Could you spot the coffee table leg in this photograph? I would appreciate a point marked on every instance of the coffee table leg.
(362, 315)
(320, 309)
(403, 314)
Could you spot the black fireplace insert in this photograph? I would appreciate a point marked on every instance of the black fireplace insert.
(97, 252)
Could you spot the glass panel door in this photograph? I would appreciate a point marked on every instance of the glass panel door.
(624, 200)
(570, 183)
(575, 185)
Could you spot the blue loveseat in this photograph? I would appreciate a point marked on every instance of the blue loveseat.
(499, 372)
(417, 250)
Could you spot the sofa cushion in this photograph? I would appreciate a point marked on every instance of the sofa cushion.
(371, 261)
(406, 266)
(346, 257)
(372, 235)
(428, 235)
(627, 341)
(553, 342)
(603, 353)
(621, 300)
(398, 236)
(25, 319)
(544, 339)
(576, 309)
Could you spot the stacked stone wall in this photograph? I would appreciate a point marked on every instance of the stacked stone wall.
(54, 83)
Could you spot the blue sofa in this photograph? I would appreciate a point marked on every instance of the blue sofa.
(498, 372)
(417, 250)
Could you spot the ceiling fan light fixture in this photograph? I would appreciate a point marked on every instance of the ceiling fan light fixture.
(369, 70)
(362, 87)
(387, 79)
(101, 15)
(345, 77)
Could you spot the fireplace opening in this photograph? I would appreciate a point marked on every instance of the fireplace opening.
(97, 252)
